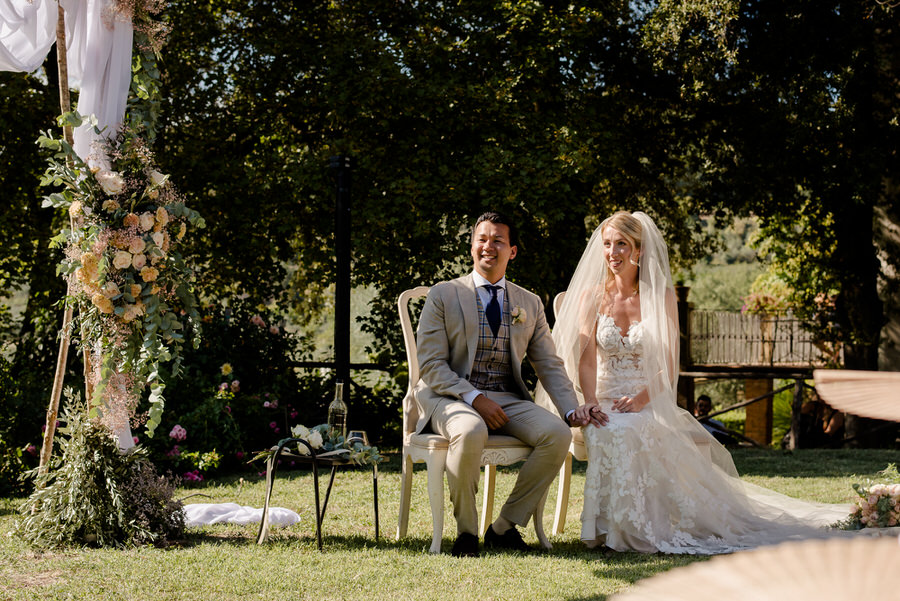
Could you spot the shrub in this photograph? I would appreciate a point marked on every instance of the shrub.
(95, 495)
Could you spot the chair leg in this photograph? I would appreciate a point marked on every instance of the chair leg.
(406, 475)
(538, 520)
(487, 505)
(562, 496)
(436, 463)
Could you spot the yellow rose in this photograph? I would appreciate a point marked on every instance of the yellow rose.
(102, 303)
(122, 259)
(152, 193)
(147, 221)
(90, 267)
(182, 230)
(149, 274)
(162, 216)
(131, 220)
(138, 261)
(110, 205)
(135, 290)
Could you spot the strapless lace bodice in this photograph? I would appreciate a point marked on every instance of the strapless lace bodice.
(619, 369)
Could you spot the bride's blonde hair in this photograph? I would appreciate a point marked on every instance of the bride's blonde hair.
(629, 226)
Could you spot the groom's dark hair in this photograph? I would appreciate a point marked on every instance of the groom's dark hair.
(499, 219)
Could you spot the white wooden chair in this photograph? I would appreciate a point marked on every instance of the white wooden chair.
(432, 450)
(577, 450)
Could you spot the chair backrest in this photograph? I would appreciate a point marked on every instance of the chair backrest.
(410, 411)
(557, 304)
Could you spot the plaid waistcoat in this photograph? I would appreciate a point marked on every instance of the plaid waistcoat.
(492, 370)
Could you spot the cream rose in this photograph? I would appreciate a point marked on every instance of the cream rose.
(122, 259)
(136, 245)
(147, 221)
(159, 239)
(152, 193)
(149, 274)
(135, 290)
(138, 261)
(315, 439)
(110, 290)
(110, 204)
(111, 182)
(157, 178)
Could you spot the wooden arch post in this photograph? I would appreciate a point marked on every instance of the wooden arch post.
(65, 105)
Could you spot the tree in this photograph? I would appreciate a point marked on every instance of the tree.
(550, 111)
(795, 113)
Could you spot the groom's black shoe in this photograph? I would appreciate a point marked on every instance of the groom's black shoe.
(466, 545)
(510, 540)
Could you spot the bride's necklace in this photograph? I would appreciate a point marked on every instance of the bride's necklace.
(613, 299)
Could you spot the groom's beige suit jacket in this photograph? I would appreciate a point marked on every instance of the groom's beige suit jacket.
(447, 337)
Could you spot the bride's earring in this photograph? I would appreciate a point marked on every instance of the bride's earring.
(633, 262)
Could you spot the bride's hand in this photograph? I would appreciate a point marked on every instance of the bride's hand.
(628, 404)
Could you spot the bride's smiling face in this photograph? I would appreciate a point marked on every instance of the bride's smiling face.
(619, 251)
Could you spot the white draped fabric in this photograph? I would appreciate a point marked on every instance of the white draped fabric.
(98, 43)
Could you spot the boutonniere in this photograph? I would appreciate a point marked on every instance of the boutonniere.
(518, 315)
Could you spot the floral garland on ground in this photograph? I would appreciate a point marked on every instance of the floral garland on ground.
(878, 505)
(127, 278)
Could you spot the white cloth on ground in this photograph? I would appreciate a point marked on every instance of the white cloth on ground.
(199, 514)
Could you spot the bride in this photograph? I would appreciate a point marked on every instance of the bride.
(656, 479)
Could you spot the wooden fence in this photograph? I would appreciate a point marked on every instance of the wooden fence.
(739, 339)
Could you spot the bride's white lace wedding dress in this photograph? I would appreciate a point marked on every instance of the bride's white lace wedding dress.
(651, 489)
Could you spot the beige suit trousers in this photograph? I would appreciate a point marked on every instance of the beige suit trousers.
(459, 423)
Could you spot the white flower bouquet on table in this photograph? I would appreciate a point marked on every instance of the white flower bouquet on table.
(325, 441)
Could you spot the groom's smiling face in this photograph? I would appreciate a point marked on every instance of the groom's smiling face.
(491, 250)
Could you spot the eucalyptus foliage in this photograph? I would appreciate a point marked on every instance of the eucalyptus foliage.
(131, 284)
(91, 494)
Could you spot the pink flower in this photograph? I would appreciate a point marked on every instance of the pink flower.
(174, 452)
(294, 414)
(235, 386)
(266, 404)
(227, 409)
(193, 476)
(31, 449)
(239, 454)
(134, 439)
(223, 386)
(274, 404)
(273, 425)
(274, 330)
(258, 321)
(178, 433)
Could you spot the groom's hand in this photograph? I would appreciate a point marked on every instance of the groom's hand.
(588, 414)
(492, 414)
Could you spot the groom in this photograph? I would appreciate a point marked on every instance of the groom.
(473, 333)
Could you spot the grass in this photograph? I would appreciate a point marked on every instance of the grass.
(224, 563)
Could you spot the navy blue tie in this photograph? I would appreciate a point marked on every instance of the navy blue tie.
(492, 311)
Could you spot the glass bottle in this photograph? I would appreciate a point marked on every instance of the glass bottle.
(337, 411)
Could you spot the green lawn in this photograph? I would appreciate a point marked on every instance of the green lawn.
(224, 563)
